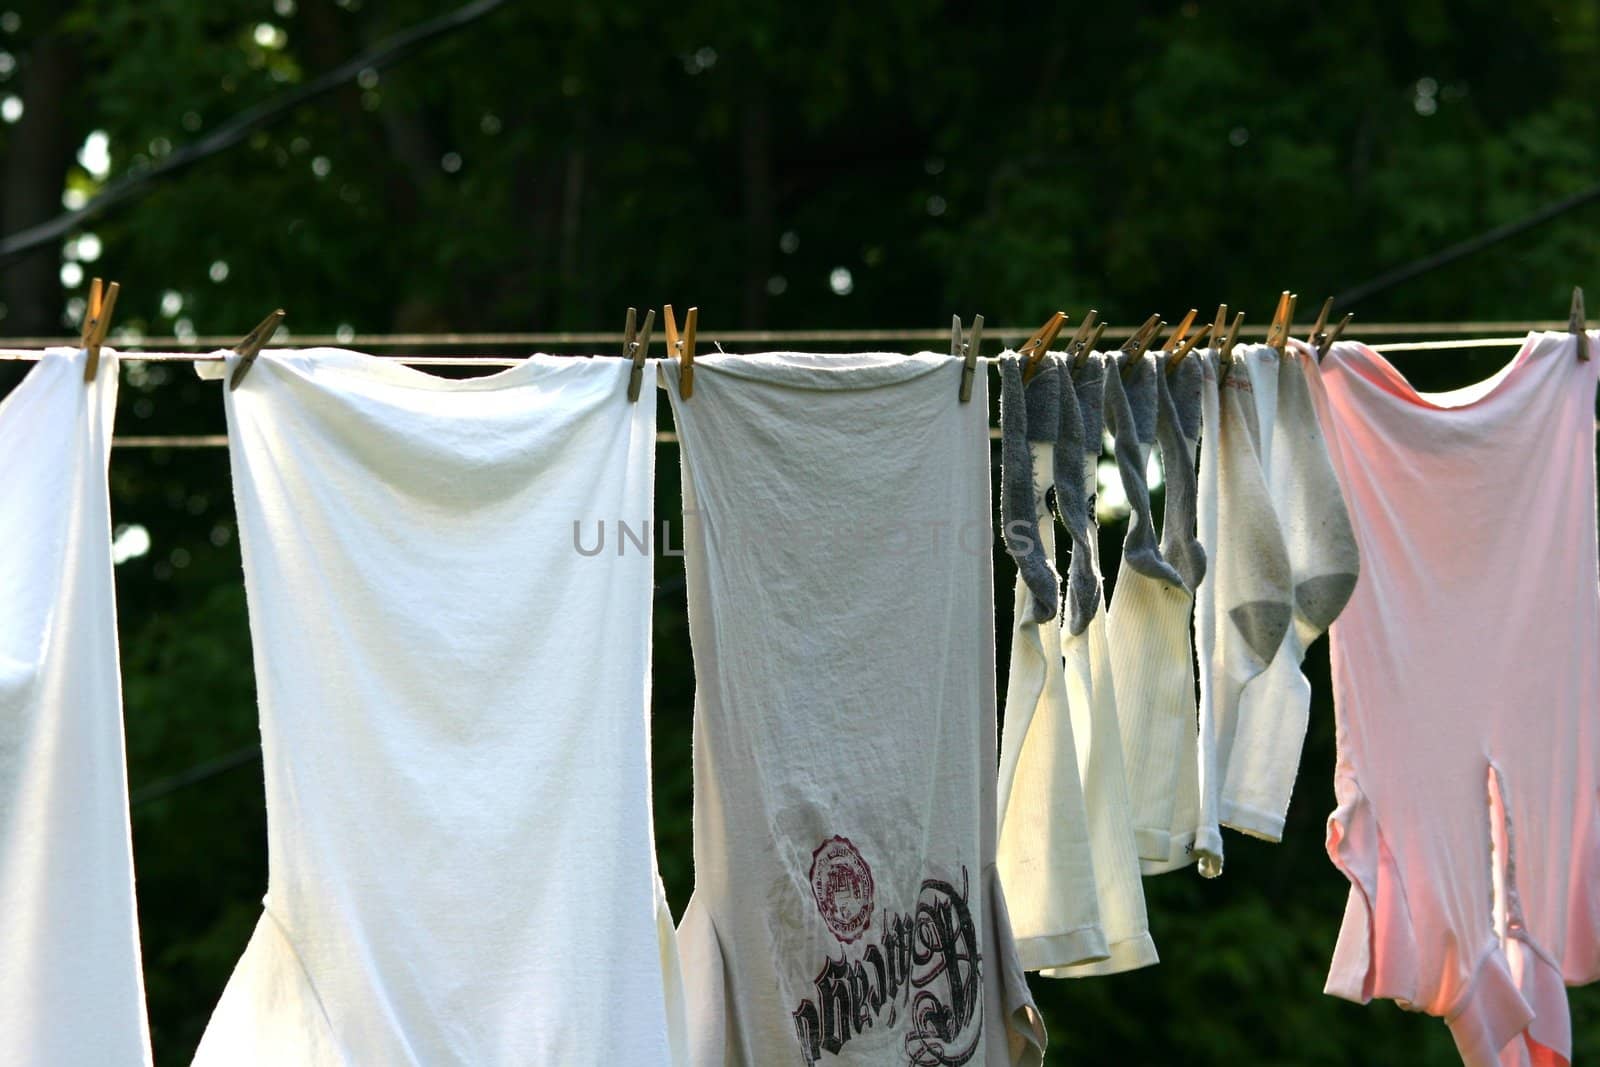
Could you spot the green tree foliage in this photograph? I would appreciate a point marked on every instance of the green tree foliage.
(560, 161)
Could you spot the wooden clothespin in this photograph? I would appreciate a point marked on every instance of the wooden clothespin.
(1216, 330)
(1037, 345)
(1084, 338)
(96, 324)
(1318, 336)
(1223, 344)
(1093, 344)
(682, 349)
(1223, 336)
(249, 348)
(1181, 332)
(966, 350)
(1282, 322)
(1188, 346)
(1225, 347)
(1136, 345)
(1143, 336)
(1576, 325)
(636, 346)
(1333, 336)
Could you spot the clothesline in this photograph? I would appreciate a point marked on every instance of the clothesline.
(662, 437)
(28, 352)
(611, 340)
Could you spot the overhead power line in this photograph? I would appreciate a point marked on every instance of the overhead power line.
(384, 54)
(200, 772)
(1390, 279)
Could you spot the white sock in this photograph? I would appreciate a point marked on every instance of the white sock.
(1274, 708)
(1242, 610)
(1152, 657)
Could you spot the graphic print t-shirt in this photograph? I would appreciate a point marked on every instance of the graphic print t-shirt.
(837, 541)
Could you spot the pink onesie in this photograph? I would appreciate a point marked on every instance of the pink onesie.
(1466, 673)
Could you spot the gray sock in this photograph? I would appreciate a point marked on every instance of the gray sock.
(1088, 381)
(1258, 594)
(1178, 432)
(1072, 505)
(1139, 387)
(1074, 468)
(1315, 523)
(1184, 385)
(1020, 510)
(1129, 407)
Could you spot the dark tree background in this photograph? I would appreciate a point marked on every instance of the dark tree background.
(780, 165)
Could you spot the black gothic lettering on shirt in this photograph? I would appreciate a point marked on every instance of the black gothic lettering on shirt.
(925, 969)
(947, 947)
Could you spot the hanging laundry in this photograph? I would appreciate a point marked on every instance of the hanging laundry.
(1242, 609)
(453, 666)
(1274, 707)
(1091, 687)
(1045, 854)
(838, 555)
(71, 988)
(1148, 623)
(1467, 693)
(1050, 867)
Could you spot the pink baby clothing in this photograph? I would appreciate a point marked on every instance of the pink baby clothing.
(1467, 689)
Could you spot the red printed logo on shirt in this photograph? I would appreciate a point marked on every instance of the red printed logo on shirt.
(842, 883)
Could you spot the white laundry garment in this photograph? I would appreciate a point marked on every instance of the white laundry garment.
(71, 990)
(453, 669)
(1092, 698)
(1274, 707)
(838, 556)
(1242, 609)
(1045, 855)
(1148, 627)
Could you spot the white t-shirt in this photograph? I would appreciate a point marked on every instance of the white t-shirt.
(454, 698)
